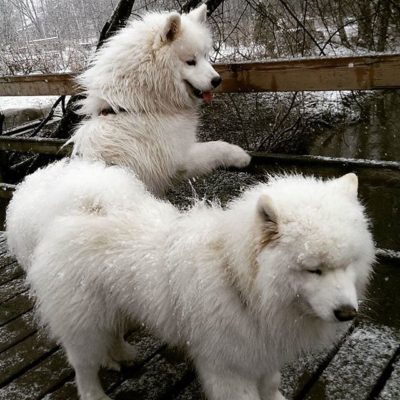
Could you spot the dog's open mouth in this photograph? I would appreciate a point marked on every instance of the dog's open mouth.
(206, 96)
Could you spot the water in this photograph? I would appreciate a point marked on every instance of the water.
(376, 137)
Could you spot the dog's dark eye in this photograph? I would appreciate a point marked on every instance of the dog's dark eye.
(315, 271)
(191, 63)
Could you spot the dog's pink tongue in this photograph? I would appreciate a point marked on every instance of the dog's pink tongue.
(207, 97)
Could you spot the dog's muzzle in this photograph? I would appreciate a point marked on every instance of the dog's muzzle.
(345, 313)
(200, 94)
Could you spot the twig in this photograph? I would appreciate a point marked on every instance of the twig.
(293, 15)
(119, 18)
(212, 5)
(189, 5)
(48, 118)
(2, 118)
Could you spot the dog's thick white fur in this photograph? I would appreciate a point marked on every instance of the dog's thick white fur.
(244, 288)
(154, 74)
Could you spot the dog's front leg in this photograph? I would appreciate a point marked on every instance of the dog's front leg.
(269, 387)
(220, 383)
(202, 158)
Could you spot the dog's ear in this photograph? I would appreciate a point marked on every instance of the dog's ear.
(199, 14)
(171, 27)
(266, 210)
(348, 183)
(267, 221)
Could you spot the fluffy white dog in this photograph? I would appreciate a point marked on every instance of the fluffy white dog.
(143, 90)
(244, 288)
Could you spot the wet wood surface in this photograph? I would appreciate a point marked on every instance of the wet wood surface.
(364, 365)
(371, 171)
(372, 72)
(35, 145)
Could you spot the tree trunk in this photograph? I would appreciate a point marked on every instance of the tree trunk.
(342, 32)
(365, 24)
(383, 24)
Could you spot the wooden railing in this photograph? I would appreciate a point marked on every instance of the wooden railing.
(316, 74)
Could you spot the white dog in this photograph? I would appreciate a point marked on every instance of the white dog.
(143, 90)
(245, 289)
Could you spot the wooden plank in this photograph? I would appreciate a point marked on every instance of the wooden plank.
(66, 391)
(193, 391)
(37, 85)
(339, 73)
(16, 331)
(15, 307)
(391, 390)
(3, 246)
(157, 379)
(386, 171)
(6, 260)
(353, 372)
(4, 256)
(19, 358)
(261, 158)
(35, 145)
(147, 347)
(10, 272)
(40, 380)
(314, 74)
(11, 289)
(54, 147)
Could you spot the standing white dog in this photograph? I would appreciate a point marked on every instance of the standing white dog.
(143, 90)
(245, 289)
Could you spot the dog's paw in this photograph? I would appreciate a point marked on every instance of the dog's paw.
(279, 396)
(235, 156)
(101, 397)
(113, 365)
(105, 397)
(127, 352)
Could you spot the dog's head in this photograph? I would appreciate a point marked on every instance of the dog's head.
(158, 64)
(315, 248)
(186, 41)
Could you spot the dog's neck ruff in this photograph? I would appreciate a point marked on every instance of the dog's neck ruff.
(110, 110)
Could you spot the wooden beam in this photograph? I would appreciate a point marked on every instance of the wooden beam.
(38, 85)
(35, 145)
(314, 74)
(55, 147)
(318, 74)
(6, 190)
(260, 159)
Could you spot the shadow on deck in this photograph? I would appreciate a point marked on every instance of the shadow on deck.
(364, 366)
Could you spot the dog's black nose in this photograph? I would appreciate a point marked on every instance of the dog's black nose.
(216, 81)
(345, 313)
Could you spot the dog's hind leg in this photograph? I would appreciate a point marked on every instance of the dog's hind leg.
(269, 387)
(220, 383)
(86, 353)
(120, 351)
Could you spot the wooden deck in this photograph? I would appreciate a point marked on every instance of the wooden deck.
(364, 366)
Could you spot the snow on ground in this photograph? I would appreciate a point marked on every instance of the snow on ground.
(23, 102)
